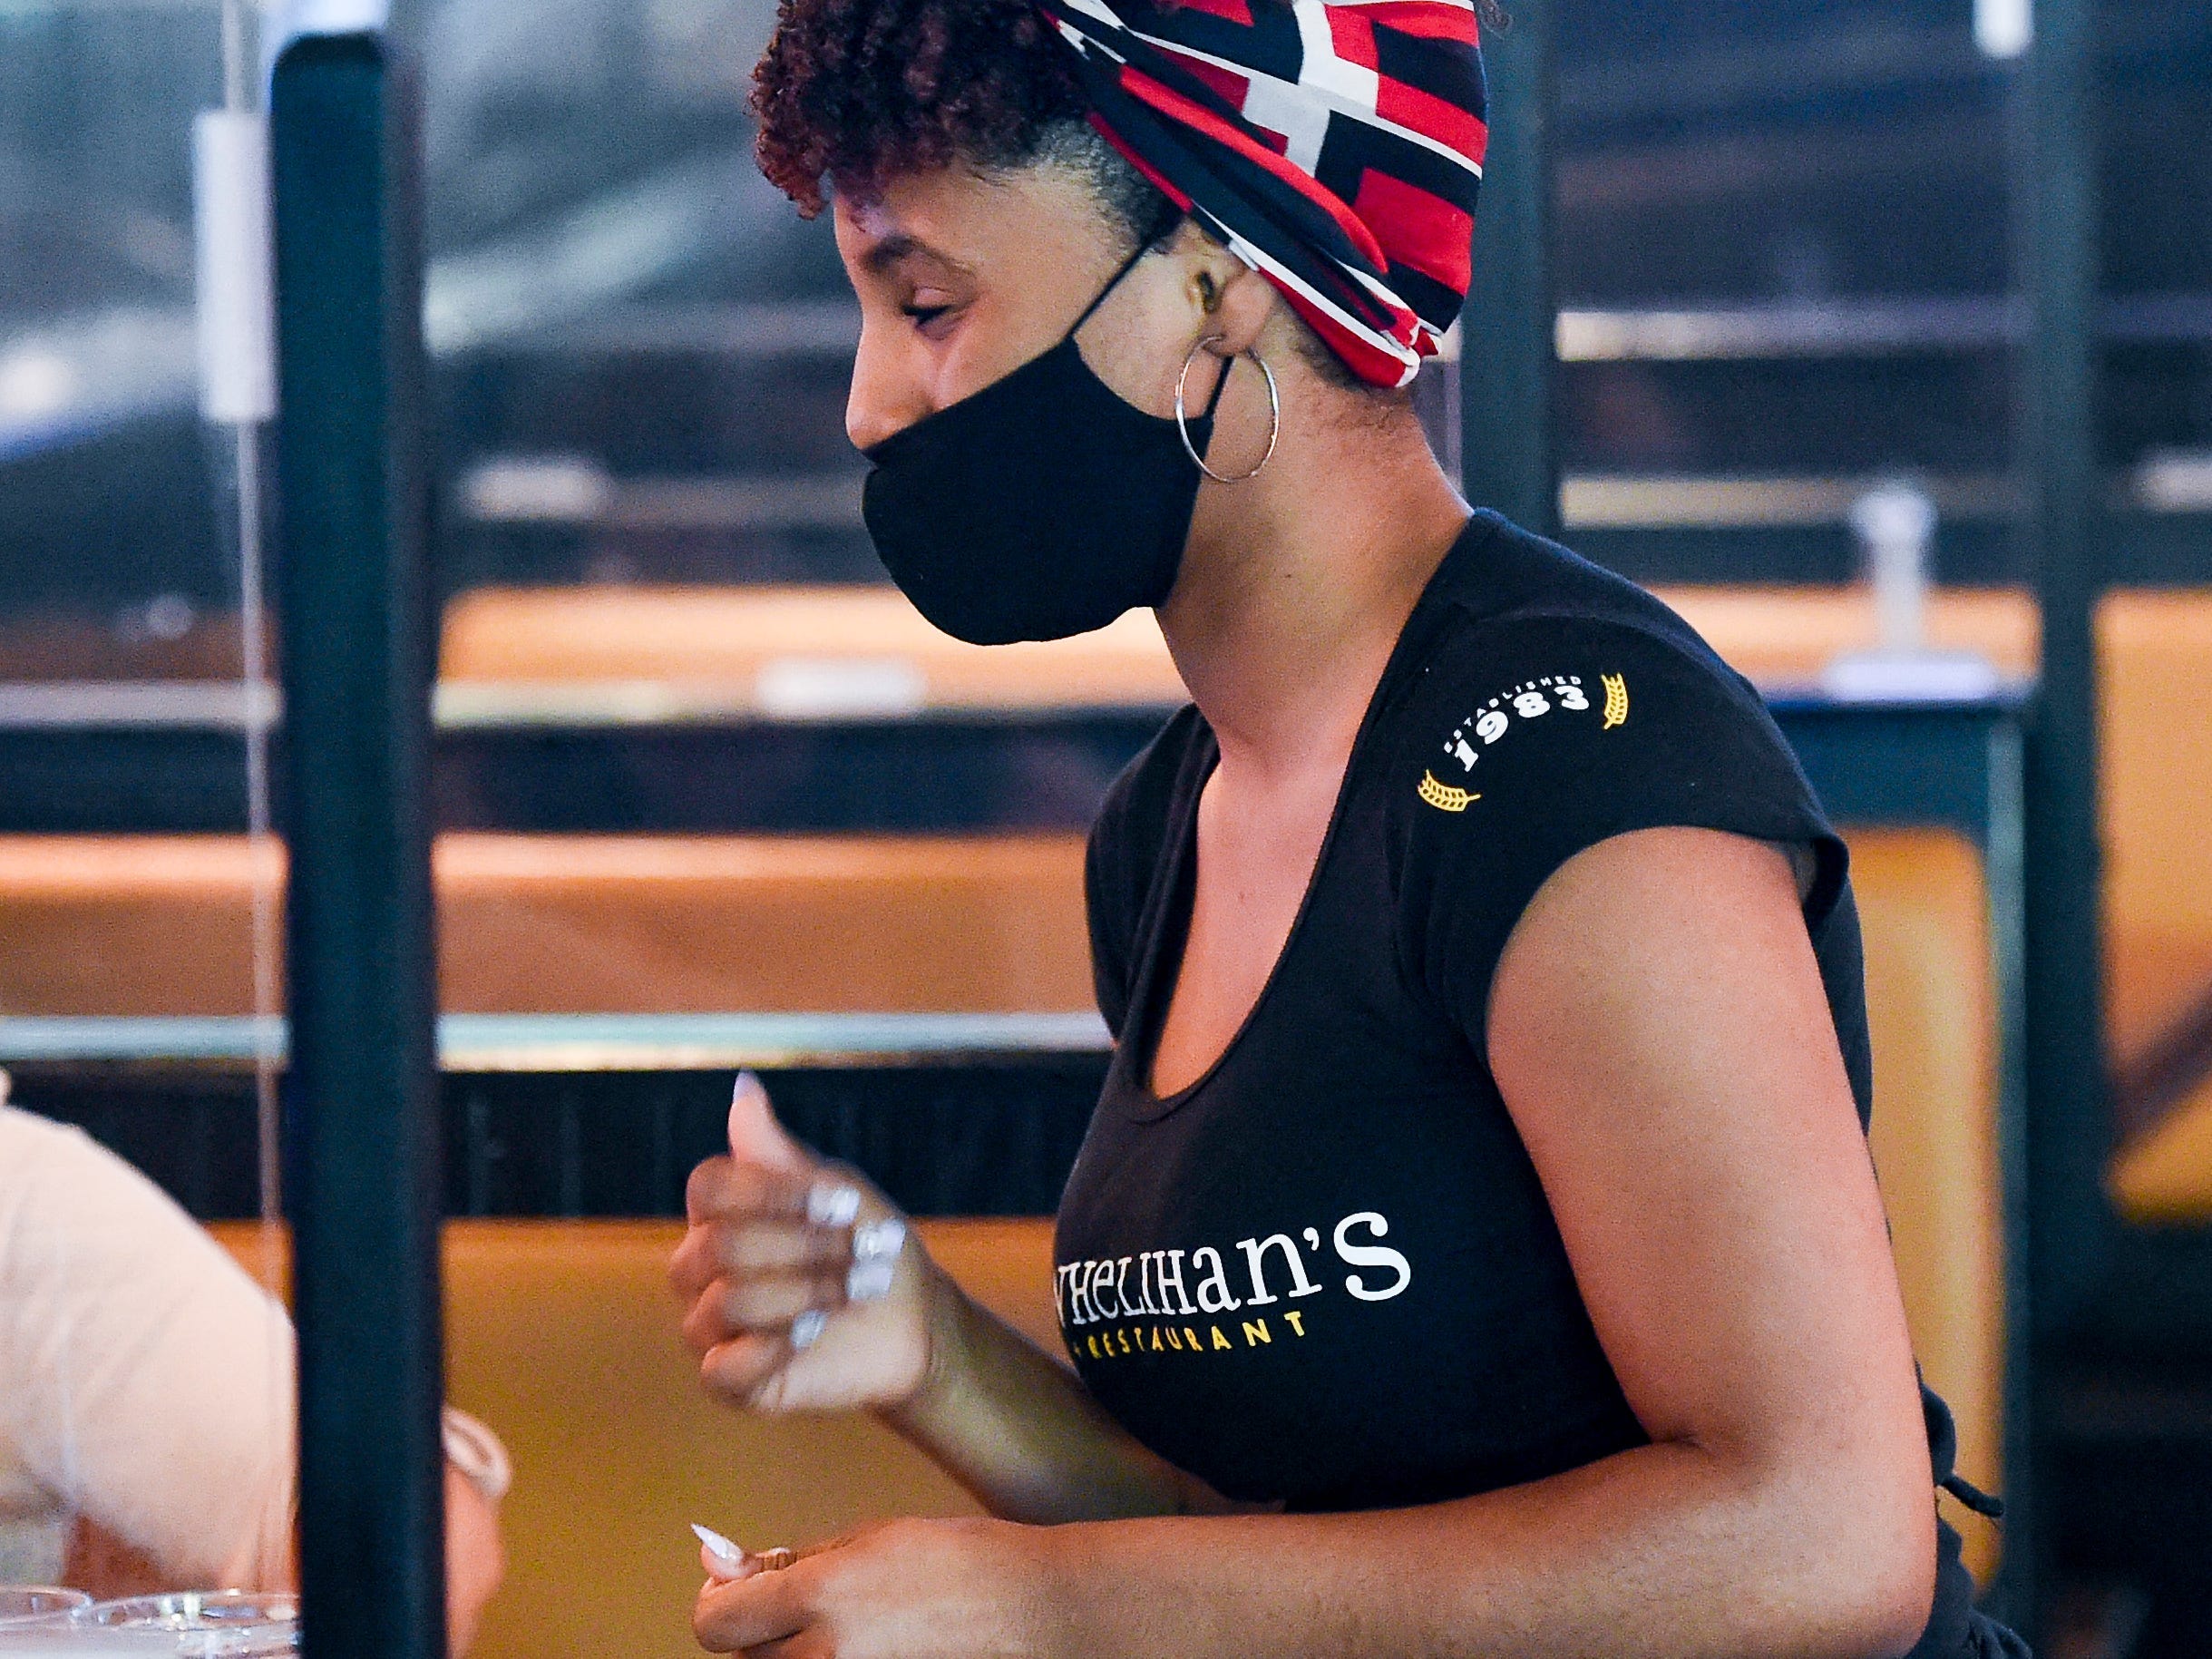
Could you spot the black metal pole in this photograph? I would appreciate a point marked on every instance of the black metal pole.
(2055, 259)
(2055, 213)
(354, 618)
(1508, 456)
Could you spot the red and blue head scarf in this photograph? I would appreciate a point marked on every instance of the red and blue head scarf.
(1335, 146)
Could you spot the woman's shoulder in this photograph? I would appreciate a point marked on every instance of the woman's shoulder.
(1551, 706)
(1567, 723)
(1502, 586)
(1531, 662)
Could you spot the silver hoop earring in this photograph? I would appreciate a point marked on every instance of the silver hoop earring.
(1274, 413)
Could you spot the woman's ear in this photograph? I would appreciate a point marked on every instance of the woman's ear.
(1234, 300)
(1243, 302)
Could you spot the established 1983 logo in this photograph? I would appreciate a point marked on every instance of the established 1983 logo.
(1528, 701)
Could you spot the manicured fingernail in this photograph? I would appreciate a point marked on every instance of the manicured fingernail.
(831, 1204)
(869, 1281)
(806, 1329)
(728, 1559)
(879, 1240)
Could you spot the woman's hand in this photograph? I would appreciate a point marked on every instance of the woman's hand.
(806, 1292)
(806, 1289)
(906, 1589)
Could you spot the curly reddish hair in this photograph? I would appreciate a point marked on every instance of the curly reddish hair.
(853, 92)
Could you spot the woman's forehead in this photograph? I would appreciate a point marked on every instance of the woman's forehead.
(956, 222)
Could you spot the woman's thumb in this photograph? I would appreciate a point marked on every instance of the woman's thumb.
(755, 1136)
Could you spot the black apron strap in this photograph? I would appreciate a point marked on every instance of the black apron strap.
(1943, 1455)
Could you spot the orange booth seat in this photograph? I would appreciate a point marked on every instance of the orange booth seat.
(1931, 1007)
(1787, 635)
(774, 650)
(731, 645)
(2158, 816)
(580, 923)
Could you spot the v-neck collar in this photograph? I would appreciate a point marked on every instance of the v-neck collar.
(1164, 932)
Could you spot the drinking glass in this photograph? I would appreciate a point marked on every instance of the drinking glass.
(38, 1604)
(208, 1624)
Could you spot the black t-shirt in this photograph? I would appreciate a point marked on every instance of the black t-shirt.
(1326, 1274)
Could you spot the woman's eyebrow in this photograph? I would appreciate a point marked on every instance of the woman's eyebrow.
(900, 247)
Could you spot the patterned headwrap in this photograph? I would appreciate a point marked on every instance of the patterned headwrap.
(1333, 145)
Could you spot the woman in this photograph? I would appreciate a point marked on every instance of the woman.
(1476, 1249)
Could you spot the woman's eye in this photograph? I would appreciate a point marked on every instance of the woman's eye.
(924, 315)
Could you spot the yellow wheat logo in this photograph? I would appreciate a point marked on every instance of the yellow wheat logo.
(1443, 796)
(1616, 700)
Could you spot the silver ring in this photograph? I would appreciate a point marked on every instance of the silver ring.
(1274, 413)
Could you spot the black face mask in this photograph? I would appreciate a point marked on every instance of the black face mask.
(1042, 507)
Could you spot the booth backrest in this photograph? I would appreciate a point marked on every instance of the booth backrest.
(2157, 814)
(729, 647)
(581, 923)
(768, 646)
(2156, 729)
(574, 923)
(1787, 635)
(1932, 1006)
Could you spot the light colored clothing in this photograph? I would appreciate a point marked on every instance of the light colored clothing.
(145, 1381)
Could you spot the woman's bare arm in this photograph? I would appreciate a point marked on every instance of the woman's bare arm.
(1022, 1434)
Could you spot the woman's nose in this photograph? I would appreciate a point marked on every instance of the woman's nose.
(888, 393)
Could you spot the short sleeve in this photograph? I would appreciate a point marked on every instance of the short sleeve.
(1531, 738)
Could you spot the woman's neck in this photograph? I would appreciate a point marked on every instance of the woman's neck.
(1296, 585)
